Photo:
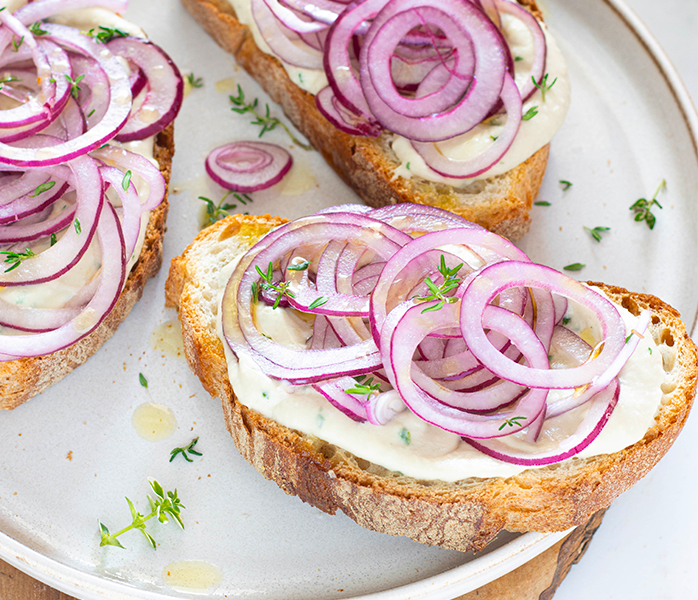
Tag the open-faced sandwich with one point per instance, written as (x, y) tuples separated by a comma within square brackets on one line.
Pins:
[(445, 103), (422, 375), (86, 144)]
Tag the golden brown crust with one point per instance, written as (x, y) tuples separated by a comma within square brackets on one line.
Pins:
[(22, 379), (464, 515), (501, 204)]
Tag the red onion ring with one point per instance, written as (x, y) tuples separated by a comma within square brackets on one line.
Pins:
[(248, 166)]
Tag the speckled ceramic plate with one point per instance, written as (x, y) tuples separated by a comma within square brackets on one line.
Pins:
[(70, 456)]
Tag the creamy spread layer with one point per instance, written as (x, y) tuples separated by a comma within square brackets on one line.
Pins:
[(533, 133), (417, 449)]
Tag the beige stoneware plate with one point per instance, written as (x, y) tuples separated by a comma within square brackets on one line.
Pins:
[(70, 456)]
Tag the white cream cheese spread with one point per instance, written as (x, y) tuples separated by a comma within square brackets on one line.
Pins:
[(410, 445), (58, 292), (533, 134)]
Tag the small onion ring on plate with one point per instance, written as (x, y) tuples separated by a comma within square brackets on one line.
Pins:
[(248, 166)]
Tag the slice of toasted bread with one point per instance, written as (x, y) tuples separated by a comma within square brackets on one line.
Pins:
[(501, 204), (464, 515), (22, 379)]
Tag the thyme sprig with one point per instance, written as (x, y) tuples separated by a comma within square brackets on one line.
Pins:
[(216, 212), (439, 292), (643, 207), (268, 284), (186, 449), (74, 87), (597, 231), (8, 79), (543, 85), (367, 388), (264, 120), (513, 422), (194, 81), (106, 34), (530, 113), (14, 259), (35, 28), (166, 506)]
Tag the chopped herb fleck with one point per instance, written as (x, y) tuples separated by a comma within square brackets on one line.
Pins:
[(318, 302), (530, 113), (574, 267), (513, 422), (78, 227), (405, 436), (365, 389), (35, 28), (16, 44), (186, 449), (195, 82), (44, 187), (106, 34), (597, 231), (53, 239), (542, 203), (566, 185), (566, 320), (143, 381), (126, 181), (299, 267)]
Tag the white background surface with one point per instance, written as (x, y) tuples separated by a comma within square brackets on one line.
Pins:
[(647, 546)]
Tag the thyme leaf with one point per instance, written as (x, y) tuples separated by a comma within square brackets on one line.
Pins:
[(597, 231), (513, 422), (438, 293), (364, 389)]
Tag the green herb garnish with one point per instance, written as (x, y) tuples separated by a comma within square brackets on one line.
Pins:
[(16, 44), (44, 187), (74, 87), (266, 121), (35, 28), (53, 239), (597, 231), (78, 227), (574, 267), (195, 82), (543, 85), (439, 292), (513, 422), (566, 185), (530, 113), (15, 258), (364, 389), (405, 436), (126, 181), (643, 208), (299, 267), (281, 289), (143, 381), (542, 203), (318, 302), (186, 449), (106, 34), (166, 505)]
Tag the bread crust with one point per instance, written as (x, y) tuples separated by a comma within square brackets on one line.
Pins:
[(464, 515), (24, 378), (501, 204)]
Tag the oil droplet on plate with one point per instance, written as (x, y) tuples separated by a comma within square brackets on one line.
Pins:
[(153, 421), (299, 180), (192, 575), (226, 85), (167, 338)]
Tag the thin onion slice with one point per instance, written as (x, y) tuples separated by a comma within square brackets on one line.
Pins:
[(248, 166)]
